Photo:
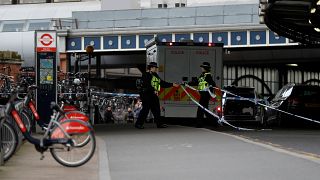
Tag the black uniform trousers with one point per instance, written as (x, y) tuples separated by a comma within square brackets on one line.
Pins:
[(149, 102), (204, 101)]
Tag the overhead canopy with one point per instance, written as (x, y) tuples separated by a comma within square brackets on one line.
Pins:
[(298, 20)]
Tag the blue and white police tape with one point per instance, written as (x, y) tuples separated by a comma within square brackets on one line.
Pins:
[(206, 89), (270, 107), (220, 119), (114, 94), (239, 98), (72, 93)]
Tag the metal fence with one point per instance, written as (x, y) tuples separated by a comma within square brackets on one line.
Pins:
[(268, 80), (265, 80)]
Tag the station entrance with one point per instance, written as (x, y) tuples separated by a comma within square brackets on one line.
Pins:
[(266, 68)]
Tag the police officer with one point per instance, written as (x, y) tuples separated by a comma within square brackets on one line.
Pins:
[(151, 84), (204, 81)]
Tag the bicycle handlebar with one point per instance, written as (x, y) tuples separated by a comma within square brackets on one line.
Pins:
[(56, 107)]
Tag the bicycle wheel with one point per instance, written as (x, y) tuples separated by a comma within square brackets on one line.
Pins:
[(31, 116), (20, 137), (9, 139), (77, 115), (26, 120), (74, 155)]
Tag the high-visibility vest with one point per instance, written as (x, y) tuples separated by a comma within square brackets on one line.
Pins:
[(202, 82), (155, 83)]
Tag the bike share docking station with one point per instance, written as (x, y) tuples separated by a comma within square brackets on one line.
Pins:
[(46, 72)]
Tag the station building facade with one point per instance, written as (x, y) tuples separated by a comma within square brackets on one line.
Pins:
[(253, 55)]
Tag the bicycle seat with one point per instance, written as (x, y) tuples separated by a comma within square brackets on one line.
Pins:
[(55, 106)]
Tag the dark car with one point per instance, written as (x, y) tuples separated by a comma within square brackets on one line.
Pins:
[(244, 108), (302, 100)]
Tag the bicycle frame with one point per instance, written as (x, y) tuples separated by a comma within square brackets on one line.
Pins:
[(28, 103), (70, 126)]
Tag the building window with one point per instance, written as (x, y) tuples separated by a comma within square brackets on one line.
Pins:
[(6, 2), (14, 27), (180, 5), (39, 26), (162, 5), (15, 1)]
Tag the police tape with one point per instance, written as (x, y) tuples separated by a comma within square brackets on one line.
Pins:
[(72, 93), (270, 107), (221, 120), (114, 94), (239, 99)]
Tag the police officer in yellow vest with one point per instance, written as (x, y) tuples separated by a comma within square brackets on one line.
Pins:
[(204, 81), (151, 84)]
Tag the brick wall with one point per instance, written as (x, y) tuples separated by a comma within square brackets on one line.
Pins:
[(10, 63)]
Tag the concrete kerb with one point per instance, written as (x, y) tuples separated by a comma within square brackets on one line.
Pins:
[(104, 169)]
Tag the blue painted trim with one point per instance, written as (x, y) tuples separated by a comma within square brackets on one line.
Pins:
[(95, 40), (166, 37), (128, 42), (73, 43), (143, 39), (242, 38), (275, 39), (258, 37), (110, 42), (201, 37), (220, 37), (181, 37)]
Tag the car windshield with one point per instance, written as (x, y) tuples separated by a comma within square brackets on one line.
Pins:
[(307, 91)]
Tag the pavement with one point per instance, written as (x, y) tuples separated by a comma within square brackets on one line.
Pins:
[(26, 165), (177, 152), (188, 153), (303, 140)]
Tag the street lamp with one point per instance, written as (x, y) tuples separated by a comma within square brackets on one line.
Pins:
[(89, 50)]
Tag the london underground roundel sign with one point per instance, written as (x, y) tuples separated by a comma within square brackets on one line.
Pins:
[(46, 41)]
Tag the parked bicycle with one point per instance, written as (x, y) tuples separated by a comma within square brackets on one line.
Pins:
[(64, 138), (9, 138)]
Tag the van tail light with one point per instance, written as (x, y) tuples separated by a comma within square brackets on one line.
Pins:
[(219, 110)]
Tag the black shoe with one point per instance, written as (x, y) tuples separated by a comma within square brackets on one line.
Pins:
[(162, 126), (139, 126)]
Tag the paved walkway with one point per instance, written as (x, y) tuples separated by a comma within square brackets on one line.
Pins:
[(174, 153), (183, 153), (26, 165)]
